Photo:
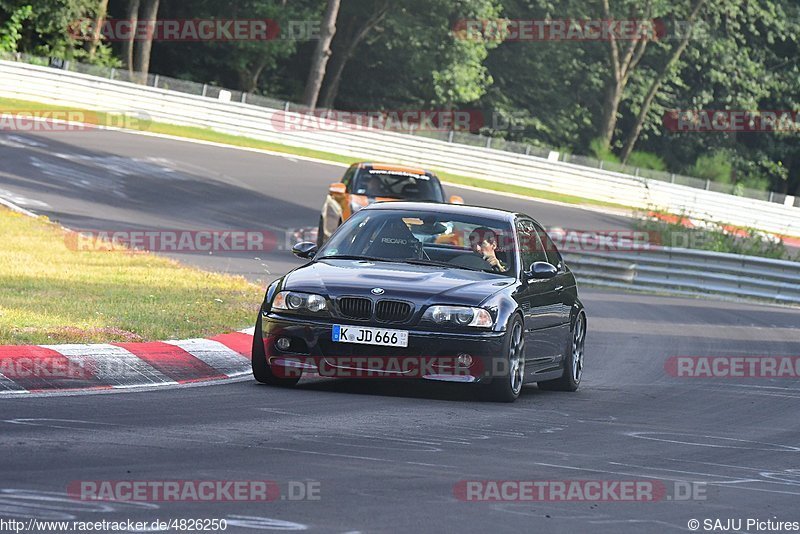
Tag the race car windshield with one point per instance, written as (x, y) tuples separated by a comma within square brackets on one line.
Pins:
[(399, 185), (425, 238)]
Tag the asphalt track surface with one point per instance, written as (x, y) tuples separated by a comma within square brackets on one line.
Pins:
[(387, 455)]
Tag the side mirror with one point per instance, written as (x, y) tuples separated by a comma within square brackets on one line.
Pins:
[(541, 270), (337, 189), (305, 250), (455, 199)]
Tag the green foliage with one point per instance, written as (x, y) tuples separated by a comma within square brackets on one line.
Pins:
[(602, 152), (47, 32), (716, 167), (10, 34), (741, 56), (646, 160)]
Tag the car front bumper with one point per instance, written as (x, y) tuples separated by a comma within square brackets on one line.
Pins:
[(429, 355)]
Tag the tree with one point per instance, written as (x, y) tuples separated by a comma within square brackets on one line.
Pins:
[(10, 33), (49, 31), (360, 20), (99, 20), (252, 66), (414, 59), (322, 53), (657, 81), (141, 60), (128, 45), (622, 67)]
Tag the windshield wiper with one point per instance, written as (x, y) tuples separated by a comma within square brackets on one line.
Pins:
[(432, 263), (353, 257), (451, 266)]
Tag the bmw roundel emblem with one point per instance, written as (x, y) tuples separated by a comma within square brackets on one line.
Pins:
[(378, 291)]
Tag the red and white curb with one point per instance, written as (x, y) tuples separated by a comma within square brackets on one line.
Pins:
[(38, 369)]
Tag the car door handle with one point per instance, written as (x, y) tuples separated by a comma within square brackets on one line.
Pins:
[(559, 289)]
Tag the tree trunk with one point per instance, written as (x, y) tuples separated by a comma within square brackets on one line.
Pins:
[(145, 46), (610, 108), (622, 66), (248, 79), (343, 49), (321, 55), (630, 142), (132, 16), (97, 33)]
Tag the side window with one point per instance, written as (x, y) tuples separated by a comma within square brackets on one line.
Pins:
[(348, 177), (530, 245), (553, 255)]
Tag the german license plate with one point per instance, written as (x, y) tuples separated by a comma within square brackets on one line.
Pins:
[(363, 335)]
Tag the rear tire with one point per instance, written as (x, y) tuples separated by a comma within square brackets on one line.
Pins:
[(507, 386), (262, 371), (573, 366)]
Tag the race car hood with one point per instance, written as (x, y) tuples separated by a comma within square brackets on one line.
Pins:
[(420, 284)]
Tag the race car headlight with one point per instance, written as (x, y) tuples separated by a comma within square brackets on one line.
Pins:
[(299, 302), (459, 316)]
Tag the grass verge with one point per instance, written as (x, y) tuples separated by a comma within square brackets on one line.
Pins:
[(50, 294), (207, 134)]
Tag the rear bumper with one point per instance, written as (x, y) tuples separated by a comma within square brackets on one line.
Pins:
[(429, 355)]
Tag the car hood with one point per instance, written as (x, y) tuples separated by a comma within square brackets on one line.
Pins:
[(420, 284)]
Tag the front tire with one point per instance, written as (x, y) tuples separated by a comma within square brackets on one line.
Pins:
[(573, 367), (507, 386), (262, 371)]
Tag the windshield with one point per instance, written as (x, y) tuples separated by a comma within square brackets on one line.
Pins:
[(398, 184), (422, 237)]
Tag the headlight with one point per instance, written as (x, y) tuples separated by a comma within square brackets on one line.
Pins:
[(293, 301), (459, 316)]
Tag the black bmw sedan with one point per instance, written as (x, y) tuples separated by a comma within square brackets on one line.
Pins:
[(427, 291)]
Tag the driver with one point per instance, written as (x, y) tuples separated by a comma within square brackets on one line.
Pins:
[(483, 242), (374, 187)]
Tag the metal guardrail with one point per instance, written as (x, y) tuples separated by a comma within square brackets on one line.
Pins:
[(59, 87), (462, 138), (680, 271)]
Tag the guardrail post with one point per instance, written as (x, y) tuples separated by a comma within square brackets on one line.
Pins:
[(205, 90), (708, 184), (527, 150), (449, 135), (672, 178), (156, 79), (286, 106), (244, 98), (771, 196), (601, 165), (488, 142), (113, 73)]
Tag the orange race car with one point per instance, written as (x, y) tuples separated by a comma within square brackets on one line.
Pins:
[(365, 183)]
